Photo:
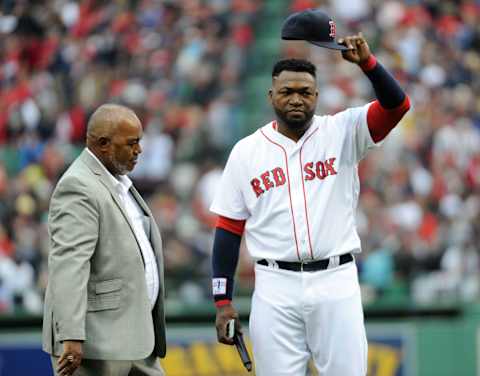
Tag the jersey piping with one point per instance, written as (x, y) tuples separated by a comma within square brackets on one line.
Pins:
[(304, 194), (289, 193)]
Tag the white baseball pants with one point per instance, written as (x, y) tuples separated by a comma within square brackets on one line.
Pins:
[(297, 316)]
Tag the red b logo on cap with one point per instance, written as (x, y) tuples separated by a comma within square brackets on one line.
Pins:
[(333, 29)]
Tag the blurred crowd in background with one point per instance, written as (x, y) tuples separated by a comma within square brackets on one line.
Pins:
[(177, 64), (181, 66)]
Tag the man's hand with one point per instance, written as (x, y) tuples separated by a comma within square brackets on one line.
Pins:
[(71, 358), (358, 52), (224, 314)]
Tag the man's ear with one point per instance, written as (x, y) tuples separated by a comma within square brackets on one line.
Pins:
[(270, 95)]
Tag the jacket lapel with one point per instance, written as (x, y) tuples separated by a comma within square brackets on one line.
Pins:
[(140, 201), (106, 180)]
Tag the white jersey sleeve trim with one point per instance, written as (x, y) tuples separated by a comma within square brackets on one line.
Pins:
[(228, 214)]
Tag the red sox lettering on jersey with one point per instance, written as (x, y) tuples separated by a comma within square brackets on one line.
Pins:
[(287, 190), (276, 177)]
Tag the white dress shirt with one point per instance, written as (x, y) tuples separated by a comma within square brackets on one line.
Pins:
[(138, 219)]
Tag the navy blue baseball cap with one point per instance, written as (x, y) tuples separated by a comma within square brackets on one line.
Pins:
[(314, 26)]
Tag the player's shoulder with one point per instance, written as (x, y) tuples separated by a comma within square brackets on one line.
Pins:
[(346, 116)]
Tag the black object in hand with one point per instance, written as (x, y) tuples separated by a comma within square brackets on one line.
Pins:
[(242, 350)]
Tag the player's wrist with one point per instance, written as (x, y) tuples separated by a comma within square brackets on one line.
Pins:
[(222, 303), (369, 63), (222, 290)]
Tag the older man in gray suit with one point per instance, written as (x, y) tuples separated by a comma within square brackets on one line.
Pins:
[(104, 306)]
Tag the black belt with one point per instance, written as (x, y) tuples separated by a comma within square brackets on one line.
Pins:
[(309, 266)]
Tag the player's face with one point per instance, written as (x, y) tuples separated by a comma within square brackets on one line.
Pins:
[(294, 98), (124, 147)]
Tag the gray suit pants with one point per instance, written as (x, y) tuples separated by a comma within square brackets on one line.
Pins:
[(93, 367)]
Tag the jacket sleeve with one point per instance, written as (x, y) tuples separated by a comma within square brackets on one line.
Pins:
[(73, 226)]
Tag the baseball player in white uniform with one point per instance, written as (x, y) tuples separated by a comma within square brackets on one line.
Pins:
[(291, 188)]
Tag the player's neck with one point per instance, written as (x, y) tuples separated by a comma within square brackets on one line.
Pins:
[(294, 134)]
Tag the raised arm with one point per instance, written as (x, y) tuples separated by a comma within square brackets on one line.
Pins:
[(392, 102)]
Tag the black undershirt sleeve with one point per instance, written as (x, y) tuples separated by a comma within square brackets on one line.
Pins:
[(226, 249), (388, 91)]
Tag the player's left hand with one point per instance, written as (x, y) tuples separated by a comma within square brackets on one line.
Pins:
[(358, 52)]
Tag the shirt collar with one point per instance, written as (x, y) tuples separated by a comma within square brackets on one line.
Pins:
[(123, 182)]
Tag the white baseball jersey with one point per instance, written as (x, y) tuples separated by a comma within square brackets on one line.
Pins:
[(298, 198)]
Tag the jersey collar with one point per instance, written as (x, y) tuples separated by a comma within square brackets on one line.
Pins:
[(271, 131)]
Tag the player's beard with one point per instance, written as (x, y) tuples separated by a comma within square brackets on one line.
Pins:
[(294, 124)]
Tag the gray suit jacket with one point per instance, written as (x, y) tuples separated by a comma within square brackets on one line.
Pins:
[(96, 278)]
